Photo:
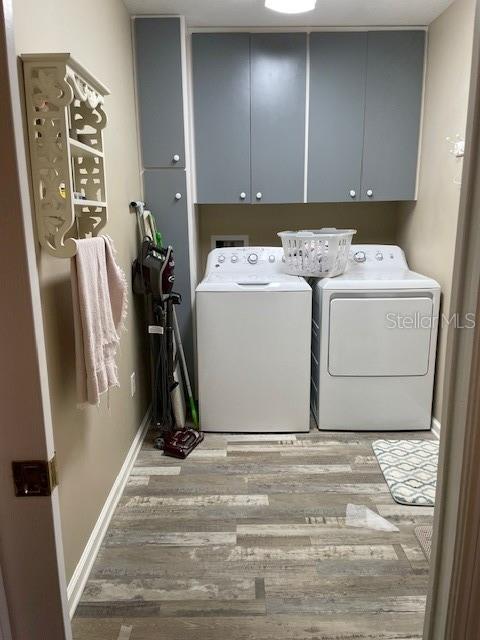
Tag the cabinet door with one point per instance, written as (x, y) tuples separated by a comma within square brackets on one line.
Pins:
[(171, 216), (159, 89), (278, 85), (392, 114), (221, 94), (337, 108)]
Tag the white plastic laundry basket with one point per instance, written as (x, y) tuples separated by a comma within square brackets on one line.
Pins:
[(321, 253)]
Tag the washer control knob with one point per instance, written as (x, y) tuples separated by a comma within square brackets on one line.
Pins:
[(221, 258), (271, 258), (253, 258), (360, 256), (234, 258), (379, 255)]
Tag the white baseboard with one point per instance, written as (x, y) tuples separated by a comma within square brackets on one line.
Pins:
[(85, 564), (436, 427)]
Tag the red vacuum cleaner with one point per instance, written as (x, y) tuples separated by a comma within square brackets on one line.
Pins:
[(153, 276)]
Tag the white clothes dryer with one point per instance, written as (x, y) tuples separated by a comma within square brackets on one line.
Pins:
[(374, 335)]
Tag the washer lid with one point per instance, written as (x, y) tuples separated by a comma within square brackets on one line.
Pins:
[(244, 282)]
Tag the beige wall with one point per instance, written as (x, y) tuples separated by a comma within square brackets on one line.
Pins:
[(428, 227), (91, 444), (375, 222)]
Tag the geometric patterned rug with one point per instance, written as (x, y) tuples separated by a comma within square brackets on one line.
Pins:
[(424, 536), (410, 469)]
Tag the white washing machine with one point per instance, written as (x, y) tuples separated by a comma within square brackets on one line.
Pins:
[(374, 335), (253, 342)]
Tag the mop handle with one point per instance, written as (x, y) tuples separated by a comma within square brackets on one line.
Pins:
[(139, 208), (182, 354)]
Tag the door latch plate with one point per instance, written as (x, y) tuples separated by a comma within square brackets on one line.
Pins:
[(33, 478)]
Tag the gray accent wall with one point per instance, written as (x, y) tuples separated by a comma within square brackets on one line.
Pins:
[(159, 91), (392, 113), (221, 94), (278, 85)]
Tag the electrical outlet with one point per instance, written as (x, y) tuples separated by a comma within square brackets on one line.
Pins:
[(133, 384)]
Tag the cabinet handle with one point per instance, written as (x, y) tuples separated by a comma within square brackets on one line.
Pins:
[(178, 196), (243, 195), (176, 158), (353, 193), (369, 193), (259, 195)]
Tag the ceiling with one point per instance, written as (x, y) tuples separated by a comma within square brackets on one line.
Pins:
[(252, 13)]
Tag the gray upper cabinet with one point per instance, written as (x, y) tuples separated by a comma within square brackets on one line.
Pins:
[(278, 95), (160, 94), (392, 114), (221, 94), (365, 97), (249, 95), (337, 109)]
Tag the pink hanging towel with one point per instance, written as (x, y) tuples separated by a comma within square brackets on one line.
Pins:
[(99, 292)]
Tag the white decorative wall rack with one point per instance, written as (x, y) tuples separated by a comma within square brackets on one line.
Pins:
[(65, 116)]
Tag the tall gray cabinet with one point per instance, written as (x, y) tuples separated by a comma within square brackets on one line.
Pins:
[(160, 94), (158, 52), (249, 95)]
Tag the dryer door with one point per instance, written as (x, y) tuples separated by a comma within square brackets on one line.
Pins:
[(380, 336)]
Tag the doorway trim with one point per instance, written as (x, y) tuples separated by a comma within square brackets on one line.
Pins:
[(5, 631), (31, 547), (452, 612)]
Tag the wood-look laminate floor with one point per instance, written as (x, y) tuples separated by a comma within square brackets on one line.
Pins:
[(248, 539)]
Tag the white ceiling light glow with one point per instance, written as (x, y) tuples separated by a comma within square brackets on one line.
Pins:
[(291, 6)]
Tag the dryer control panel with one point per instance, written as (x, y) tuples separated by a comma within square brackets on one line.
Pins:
[(376, 257)]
